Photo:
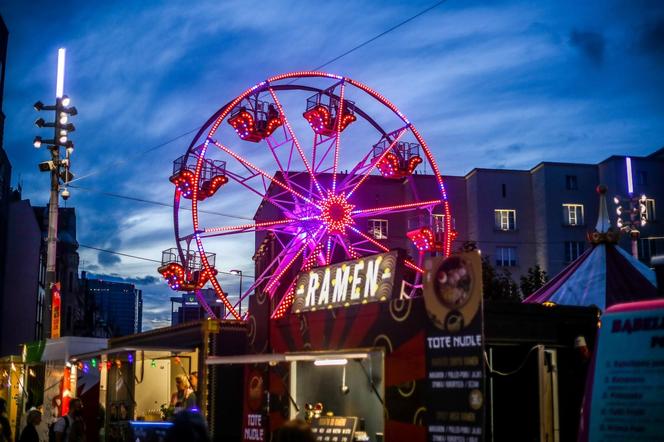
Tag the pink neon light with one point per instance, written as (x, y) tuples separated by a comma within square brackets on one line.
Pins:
[(262, 172), (397, 207), (272, 283), (248, 226), (340, 113), (364, 177), (295, 140)]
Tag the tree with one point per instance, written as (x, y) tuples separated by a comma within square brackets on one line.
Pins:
[(533, 280), (498, 285)]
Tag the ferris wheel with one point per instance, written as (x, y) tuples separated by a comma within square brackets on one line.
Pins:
[(298, 158)]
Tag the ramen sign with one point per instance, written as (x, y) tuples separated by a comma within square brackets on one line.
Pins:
[(368, 279)]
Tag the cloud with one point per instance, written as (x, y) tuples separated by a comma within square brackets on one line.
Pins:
[(108, 259), (591, 44), (651, 38), (115, 277)]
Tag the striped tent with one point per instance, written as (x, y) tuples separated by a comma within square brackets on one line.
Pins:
[(602, 276)]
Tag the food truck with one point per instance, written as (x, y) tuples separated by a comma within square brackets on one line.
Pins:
[(376, 366), (140, 374)]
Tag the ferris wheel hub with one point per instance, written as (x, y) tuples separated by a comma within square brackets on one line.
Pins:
[(336, 213)]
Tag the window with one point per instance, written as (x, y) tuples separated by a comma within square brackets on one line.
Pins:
[(642, 177), (651, 247), (378, 228), (571, 182), (505, 219), (505, 256), (650, 210), (504, 190), (573, 249), (573, 214)]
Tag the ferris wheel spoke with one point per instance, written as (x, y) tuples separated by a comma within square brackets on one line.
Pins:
[(243, 228), (364, 172), (264, 174), (361, 213), (337, 141), (244, 181), (408, 263), (295, 141)]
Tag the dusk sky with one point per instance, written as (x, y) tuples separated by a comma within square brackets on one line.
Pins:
[(497, 84)]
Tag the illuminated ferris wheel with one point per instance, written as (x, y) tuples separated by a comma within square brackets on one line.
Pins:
[(301, 147)]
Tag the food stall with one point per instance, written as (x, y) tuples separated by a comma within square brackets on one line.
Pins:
[(374, 366), (142, 375)]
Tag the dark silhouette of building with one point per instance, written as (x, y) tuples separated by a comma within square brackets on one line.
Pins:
[(22, 320), (112, 308), (189, 309), (66, 267)]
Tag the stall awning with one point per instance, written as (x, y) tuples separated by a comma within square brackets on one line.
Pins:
[(274, 358), (63, 348), (111, 351)]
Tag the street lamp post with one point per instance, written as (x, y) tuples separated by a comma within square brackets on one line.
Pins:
[(60, 173), (632, 215), (239, 273)]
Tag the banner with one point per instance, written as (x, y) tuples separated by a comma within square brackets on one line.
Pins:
[(454, 348), (368, 279), (55, 311), (627, 401), (255, 422)]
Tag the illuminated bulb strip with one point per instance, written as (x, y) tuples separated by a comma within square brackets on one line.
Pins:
[(285, 302), (295, 140), (368, 238), (248, 226), (303, 74), (328, 255), (389, 149), (379, 97), (262, 172), (411, 265), (340, 113), (277, 278), (396, 207)]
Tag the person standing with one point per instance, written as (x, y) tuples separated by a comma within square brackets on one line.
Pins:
[(71, 428), (5, 426), (29, 433)]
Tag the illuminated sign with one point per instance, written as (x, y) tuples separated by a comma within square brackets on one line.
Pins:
[(360, 281), (55, 311)]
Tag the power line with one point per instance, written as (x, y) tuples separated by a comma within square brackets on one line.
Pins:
[(157, 203), (355, 48), (376, 37), (142, 258), (126, 159)]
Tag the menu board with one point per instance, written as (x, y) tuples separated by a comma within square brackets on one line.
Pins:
[(334, 428), (454, 348), (628, 385)]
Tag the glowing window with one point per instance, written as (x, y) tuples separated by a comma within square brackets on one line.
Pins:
[(573, 214), (378, 228), (650, 210), (505, 219)]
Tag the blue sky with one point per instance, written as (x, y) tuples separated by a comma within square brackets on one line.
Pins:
[(488, 84)]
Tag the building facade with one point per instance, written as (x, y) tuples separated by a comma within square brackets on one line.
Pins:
[(112, 308), (518, 218)]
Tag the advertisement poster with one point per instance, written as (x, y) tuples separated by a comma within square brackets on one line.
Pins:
[(255, 423), (628, 386), (55, 311), (369, 279), (454, 348)]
